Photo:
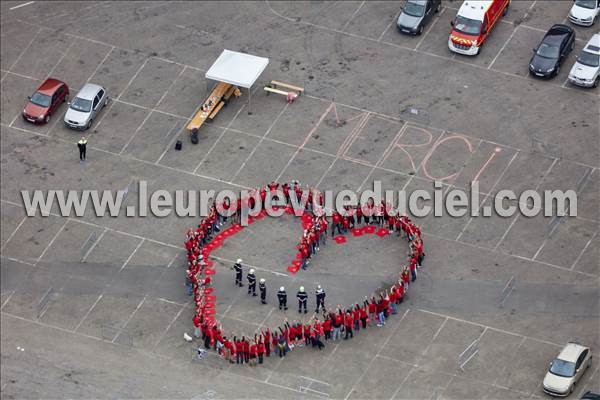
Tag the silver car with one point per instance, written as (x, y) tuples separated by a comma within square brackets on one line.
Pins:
[(566, 369), (84, 107)]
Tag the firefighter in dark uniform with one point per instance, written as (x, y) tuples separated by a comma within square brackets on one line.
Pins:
[(238, 272), (263, 291), (302, 299), (251, 282), (320, 294), (282, 297)]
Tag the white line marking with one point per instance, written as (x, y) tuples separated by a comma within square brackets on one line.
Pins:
[(51, 241), (353, 15), (430, 28), (88, 312), (168, 327), (260, 141), (517, 216), (101, 63), (583, 251), (13, 233), (21, 5), (503, 47), (130, 318), (132, 254), (7, 299)]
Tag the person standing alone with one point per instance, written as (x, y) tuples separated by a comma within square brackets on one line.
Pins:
[(82, 144)]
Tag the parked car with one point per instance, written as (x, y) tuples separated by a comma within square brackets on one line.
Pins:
[(589, 395), (566, 369), (86, 106), (552, 50), (584, 12), (586, 70), (44, 102), (473, 24), (416, 14)]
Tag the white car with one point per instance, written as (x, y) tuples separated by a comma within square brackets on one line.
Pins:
[(586, 70), (584, 12), (85, 106), (566, 369)]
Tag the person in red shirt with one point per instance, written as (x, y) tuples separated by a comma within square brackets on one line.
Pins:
[(253, 353), (267, 341), (286, 192), (380, 312), (239, 350), (356, 317), (337, 223), (348, 322), (372, 307), (307, 334), (327, 328), (364, 316), (413, 268), (400, 292), (405, 276)]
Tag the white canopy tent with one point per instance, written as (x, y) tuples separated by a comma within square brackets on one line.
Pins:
[(237, 69)]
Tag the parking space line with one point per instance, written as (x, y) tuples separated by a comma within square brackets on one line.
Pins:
[(508, 362), (183, 307), (285, 107), (13, 233), (23, 51), (21, 5), (517, 216), (306, 139), (149, 113), (132, 254), (221, 135), (430, 28), (108, 53), (7, 299), (488, 326), (583, 250), (133, 78), (149, 109), (20, 75), (503, 46), (490, 194), (130, 317), (52, 241), (383, 345), (62, 57), (353, 15), (88, 312), (387, 28), (401, 384)]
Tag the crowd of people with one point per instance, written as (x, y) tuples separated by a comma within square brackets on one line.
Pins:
[(325, 324)]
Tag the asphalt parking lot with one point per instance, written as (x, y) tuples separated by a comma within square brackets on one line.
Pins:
[(99, 305)]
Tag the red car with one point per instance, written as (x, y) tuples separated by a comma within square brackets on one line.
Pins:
[(42, 104)]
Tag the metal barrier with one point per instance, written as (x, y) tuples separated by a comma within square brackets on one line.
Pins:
[(508, 289), (468, 354)]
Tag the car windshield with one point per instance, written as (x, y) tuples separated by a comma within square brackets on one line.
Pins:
[(414, 9), (547, 51), (40, 99), (82, 105), (466, 25), (589, 59), (563, 368), (591, 4)]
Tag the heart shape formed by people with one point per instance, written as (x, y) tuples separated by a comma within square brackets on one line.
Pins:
[(210, 236)]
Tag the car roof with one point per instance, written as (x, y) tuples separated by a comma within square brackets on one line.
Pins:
[(420, 2), (474, 9), (49, 86), (571, 352), (593, 46), (559, 29), (89, 91)]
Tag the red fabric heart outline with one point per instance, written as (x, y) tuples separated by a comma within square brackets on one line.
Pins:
[(201, 267)]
